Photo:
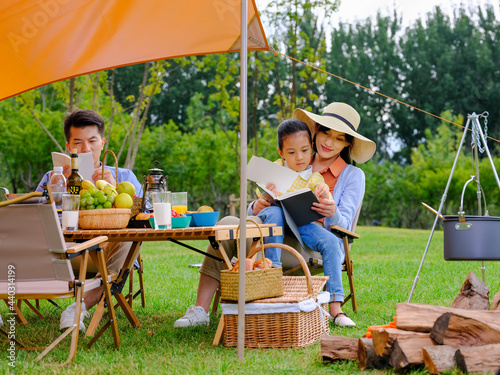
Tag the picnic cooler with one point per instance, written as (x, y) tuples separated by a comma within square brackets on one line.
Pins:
[(264, 283), (295, 320), (106, 218)]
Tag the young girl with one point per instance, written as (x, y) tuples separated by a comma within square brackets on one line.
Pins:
[(295, 149)]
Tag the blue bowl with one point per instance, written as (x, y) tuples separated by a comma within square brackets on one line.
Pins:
[(204, 219), (181, 221)]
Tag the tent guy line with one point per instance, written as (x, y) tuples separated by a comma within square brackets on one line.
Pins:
[(375, 92)]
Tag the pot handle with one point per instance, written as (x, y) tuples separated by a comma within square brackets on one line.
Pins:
[(461, 212)]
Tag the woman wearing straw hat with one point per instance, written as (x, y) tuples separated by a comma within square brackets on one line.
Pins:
[(336, 141)]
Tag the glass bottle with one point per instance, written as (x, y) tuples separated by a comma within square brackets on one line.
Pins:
[(57, 186), (75, 179)]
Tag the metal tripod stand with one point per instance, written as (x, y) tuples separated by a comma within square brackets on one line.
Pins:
[(476, 130)]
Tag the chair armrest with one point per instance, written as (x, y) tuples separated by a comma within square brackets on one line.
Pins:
[(341, 232), (77, 247)]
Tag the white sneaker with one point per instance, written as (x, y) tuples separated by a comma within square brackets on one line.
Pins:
[(342, 320), (195, 316), (68, 317)]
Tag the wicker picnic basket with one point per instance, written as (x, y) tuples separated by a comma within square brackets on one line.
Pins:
[(106, 218), (288, 329), (264, 283)]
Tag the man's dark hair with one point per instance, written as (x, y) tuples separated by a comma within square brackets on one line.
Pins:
[(81, 118)]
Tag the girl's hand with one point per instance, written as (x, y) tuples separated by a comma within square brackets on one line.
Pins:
[(322, 191), (272, 187), (325, 207), (259, 205)]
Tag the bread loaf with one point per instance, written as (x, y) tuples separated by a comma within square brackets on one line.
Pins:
[(248, 265)]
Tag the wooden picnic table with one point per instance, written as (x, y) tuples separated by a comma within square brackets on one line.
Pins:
[(214, 234)]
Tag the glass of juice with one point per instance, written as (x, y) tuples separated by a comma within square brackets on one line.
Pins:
[(179, 202)]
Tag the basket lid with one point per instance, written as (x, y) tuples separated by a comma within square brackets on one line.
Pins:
[(295, 289)]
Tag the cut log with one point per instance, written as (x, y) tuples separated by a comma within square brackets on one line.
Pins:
[(439, 358), (478, 358), (495, 304), (367, 359), (407, 351), (339, 347), (420, 317), (474, 294), (458, 330), (383, 339)]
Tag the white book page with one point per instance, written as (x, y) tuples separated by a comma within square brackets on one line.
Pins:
[(85, 163), (264, 172), (60, 160)]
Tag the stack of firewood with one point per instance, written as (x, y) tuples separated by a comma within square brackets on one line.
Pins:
[(465, 335)]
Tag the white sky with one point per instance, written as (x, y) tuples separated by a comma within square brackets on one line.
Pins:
[(410, 10)]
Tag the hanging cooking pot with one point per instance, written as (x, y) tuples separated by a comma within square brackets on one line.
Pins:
[(468, 237)]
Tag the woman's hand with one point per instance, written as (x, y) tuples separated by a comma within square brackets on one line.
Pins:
[(107, 176), (325, 207), (259, 205)]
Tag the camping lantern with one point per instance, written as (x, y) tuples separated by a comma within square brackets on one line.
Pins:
[(153, 182)]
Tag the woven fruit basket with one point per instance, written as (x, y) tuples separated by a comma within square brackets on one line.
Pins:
[(106, 218), (264, 283)]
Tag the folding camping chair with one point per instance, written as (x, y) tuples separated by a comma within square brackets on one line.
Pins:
[(315, 261), (37, 264)]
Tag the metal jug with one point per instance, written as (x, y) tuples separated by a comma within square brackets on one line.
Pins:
[(153, 182)]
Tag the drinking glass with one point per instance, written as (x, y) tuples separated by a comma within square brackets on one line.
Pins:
[(162, 208), (70, 209), (179, 202)]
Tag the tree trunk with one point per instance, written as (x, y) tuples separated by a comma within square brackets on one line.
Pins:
[(478, 358), (474, 294), (457, 330), (407, 351), (439, 358), (339, 347)]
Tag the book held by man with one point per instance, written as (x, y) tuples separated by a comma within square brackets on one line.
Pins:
[(85, 163)]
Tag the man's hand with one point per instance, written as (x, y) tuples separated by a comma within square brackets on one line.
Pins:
[(325, 207), (108, 176), (66, 171)]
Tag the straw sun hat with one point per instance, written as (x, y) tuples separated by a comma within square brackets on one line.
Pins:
[(342, 118)]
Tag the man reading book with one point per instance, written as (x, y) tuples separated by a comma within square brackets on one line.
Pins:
[(84, 130)]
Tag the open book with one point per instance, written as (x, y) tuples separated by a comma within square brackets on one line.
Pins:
[(296, 204), (85, 163)]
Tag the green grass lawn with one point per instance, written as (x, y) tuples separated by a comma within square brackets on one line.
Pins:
[(385, 264)]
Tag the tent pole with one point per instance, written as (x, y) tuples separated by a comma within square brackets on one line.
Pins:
[(243, 178)]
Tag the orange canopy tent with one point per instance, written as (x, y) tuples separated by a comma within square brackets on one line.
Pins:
[(44, 41)]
